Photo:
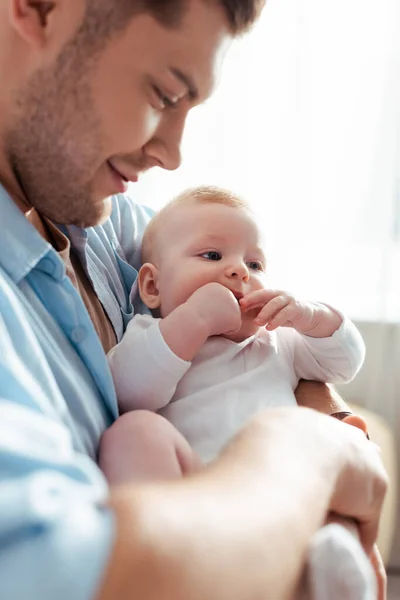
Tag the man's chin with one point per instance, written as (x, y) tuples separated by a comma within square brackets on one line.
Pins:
[(107, 209), (98, 215)]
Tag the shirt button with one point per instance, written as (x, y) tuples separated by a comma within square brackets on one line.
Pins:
[(78, 334)]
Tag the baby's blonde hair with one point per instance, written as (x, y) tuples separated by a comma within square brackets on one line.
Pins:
[(205, 194)]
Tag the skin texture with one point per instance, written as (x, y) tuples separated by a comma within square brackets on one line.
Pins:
[(71, 109), (209, 263), (68, 109), (193, 538), (201, 233)]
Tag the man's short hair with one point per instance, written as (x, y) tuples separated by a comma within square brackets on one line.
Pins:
[(240, 14), (205, 194), (105, 17)]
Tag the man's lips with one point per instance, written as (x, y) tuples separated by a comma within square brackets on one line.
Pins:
[(126, 174)]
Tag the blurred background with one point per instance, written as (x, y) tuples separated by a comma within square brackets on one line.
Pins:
[(305, 123)]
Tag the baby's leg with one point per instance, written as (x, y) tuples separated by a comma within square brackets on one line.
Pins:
[(144, 446)]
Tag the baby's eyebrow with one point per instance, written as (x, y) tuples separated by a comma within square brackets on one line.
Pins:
[(210, 238), (260, 253)]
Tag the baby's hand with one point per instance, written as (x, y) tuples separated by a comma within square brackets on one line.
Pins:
[(281, 309), (218, 307)]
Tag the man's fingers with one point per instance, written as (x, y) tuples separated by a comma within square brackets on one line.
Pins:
[(368, 534), (380, 573)]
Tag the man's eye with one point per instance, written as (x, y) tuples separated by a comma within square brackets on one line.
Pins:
[(165, 101), (211, 255), (255, 265)]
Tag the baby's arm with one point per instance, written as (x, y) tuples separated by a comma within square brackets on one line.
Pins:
[(333, 359), (210, 310), (144, 369), (154, 354), (280, 309), (316, 339)]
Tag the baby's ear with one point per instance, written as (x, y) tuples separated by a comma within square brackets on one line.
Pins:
[(148, 286)]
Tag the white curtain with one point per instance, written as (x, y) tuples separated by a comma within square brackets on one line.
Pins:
[(305, 124)]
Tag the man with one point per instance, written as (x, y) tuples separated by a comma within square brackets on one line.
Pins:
[(93, 93)]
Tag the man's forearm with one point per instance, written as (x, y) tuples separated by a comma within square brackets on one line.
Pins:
[(237, 530), (319, 396)]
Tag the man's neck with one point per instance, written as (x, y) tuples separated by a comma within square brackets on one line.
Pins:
[(12, 187), (9, 181)]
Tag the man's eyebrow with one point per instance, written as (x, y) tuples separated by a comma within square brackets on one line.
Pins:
[(187, 81)]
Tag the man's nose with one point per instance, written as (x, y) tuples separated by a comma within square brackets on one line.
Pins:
[(165, 147)]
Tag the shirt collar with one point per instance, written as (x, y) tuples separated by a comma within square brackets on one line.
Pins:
[(21, 245)]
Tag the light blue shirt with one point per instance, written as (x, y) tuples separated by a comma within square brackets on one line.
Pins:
[(56, 399)]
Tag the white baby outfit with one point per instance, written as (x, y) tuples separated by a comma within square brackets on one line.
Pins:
[(209, 399)]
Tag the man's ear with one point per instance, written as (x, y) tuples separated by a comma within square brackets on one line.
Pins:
[(148, 286), (30, 18)]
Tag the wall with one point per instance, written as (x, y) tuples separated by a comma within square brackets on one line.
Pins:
[(377, 387)]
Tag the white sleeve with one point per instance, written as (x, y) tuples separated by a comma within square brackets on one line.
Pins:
[(145, 370), (334, 359)]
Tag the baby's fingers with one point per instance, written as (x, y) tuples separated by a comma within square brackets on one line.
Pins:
[(271, 310), (258, 298), (282, 318)]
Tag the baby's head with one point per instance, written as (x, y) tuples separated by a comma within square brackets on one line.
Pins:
[(205, 235)]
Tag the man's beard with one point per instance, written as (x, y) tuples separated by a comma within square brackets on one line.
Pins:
[(54, 143)]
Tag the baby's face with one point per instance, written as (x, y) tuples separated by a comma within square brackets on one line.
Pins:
[(204, 243)]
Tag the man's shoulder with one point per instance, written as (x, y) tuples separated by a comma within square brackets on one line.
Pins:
[(128, 214), (124, 228)]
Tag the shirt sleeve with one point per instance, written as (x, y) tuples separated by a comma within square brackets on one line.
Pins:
[(145, 370), (55, 530), (334, 359)]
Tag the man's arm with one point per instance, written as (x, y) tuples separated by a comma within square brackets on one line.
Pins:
[(55, 534), (240, 528), (320, 396)]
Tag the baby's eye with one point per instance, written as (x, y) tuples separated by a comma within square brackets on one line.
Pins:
[(255, 265), (211, 255)]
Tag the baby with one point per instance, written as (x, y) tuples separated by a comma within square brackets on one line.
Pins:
[(218, 348)]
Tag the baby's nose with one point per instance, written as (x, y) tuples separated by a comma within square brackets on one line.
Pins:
[(238, 272)]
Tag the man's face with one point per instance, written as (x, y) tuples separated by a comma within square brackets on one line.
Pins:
[(86, 124)]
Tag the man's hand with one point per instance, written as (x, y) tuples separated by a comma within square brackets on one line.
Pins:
[(263, 499), (217, 307), (380, 572), (280, 309)]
